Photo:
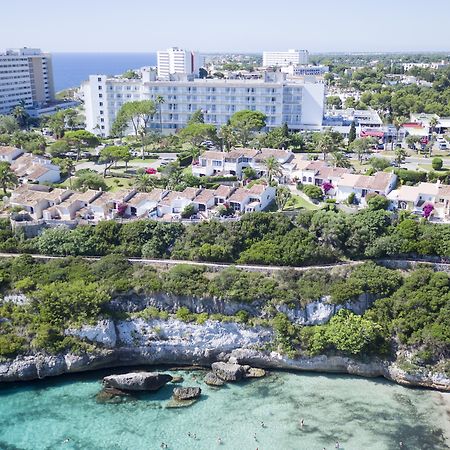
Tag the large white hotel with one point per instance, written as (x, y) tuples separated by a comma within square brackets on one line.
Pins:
[(25, 77), (299, 102)]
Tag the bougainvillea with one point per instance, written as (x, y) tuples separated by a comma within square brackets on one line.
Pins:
[(327, 186), (427, 210)]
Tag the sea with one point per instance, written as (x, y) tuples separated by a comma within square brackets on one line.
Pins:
[(71, 69), (264, 414)]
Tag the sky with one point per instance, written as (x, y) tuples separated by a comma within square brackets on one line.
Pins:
[(226, 25)]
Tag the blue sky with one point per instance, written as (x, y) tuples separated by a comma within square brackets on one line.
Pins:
[(226, 25)]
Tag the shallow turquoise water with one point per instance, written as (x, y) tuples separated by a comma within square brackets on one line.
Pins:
[(62, 413)]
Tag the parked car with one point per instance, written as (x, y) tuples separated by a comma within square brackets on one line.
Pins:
[(151, 171), (442, 146)]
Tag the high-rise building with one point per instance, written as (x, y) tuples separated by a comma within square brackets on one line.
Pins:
[(297, 102), (176, 60), (281, 59), (26, 76)]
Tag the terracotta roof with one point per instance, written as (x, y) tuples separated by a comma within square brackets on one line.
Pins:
[(239, 195), (213, 155), (257, 189), (275, 152), (204, 196), (331, 172), (444, 191), (8, 150), (238, 152), (404, 193), (170, 197), (224, 191), (190, 193), (37, 172)]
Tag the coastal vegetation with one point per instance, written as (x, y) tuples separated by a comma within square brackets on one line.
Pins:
[(408, 309), (312, 237)]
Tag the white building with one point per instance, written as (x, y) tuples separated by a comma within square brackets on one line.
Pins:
[(305, 70), (25, 77), (176, 60), (280, 59), (297, 102)]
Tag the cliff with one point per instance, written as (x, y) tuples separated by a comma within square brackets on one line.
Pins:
[(151, 342)]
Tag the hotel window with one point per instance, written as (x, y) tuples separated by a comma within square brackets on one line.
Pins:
[(100, 95), (99, 79), (100, 103), (101, 112)]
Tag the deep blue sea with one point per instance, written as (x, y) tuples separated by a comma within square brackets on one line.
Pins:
[(71, 69)]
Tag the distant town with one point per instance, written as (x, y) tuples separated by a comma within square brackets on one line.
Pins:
[(201, 137)]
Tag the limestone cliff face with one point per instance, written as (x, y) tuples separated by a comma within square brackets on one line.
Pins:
[(141, 342)]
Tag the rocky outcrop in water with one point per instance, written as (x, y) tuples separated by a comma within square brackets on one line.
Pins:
[(228, 371), (186, 393), (212, 379), (137, 381)]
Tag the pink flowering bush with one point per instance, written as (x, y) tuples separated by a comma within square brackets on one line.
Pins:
[(427, 210), (327, 186), (121, 208)]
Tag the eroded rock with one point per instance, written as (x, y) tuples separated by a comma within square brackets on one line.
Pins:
[(186, 393), (228, 371), (137, 381), (211, 379)]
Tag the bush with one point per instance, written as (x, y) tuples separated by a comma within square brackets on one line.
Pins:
[(313, 192), (437, 163)]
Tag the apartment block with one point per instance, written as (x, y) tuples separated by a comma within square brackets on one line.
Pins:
[(26, 77), (176, 60), (297, 102), (286, 58)]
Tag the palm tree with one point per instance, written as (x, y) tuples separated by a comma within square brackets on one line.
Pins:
[(273, 168), (144, 183), (326, 144), (159, 101), (7, 177), (339, 159), (433, 123), (398, 122)]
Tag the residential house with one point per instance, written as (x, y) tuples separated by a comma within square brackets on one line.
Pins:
[(413, 198), (255, 198), (175, 201), (76, 205), (144, 204), (109, 204), (35, 169), (362, 185), (223, 193), (236, 160), (9, 154), (317, 172), (36, 200)]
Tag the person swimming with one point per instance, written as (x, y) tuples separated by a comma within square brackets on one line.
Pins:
[(302, 422), (337, 445), (219, 440), (263, 425)]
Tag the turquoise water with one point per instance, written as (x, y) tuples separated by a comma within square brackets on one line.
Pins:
[(63, 413)]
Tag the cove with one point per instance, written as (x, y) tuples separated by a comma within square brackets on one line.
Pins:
[(62, 413)]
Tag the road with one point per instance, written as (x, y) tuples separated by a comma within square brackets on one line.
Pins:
[(249, 267), (173, 262), (136, 164)]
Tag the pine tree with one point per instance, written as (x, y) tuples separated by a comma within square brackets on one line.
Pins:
[(352, 133)]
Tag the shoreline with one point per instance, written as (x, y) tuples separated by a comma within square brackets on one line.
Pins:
[(40, 366)]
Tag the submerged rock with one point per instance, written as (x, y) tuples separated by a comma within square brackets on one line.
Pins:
[(138, 381), (212, 379), (173, 403), (177, 379), (186, 393), (254, 372), (111, 395)]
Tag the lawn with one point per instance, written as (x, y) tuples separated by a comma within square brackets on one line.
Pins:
[(117, 184), (297, 202)]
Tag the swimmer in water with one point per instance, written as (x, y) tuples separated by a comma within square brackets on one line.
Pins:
[(219, 440), (302, 422), (263, 425)]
